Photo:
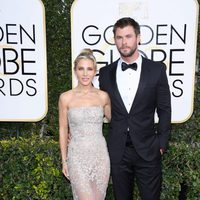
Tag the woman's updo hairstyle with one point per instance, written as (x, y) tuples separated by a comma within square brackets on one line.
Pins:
[(85, 54)]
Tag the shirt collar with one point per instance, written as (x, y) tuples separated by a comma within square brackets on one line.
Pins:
[(138, 61)]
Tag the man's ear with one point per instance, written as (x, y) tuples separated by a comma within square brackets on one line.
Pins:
[(139, 39)]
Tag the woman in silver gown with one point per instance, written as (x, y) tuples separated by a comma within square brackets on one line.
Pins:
[(85, 160)]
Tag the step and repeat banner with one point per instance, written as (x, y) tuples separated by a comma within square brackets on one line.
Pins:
[(168, 34), (23, 67)]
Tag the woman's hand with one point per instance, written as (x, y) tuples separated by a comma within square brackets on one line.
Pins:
[(65, 170)]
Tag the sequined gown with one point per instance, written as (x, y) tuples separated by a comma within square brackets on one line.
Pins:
[(88, 160)]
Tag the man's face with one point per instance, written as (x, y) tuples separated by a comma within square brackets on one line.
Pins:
[(126, 41)]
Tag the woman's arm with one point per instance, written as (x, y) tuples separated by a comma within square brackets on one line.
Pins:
[(107, 107), (63, 131)]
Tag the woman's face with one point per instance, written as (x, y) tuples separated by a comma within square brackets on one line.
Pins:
[(85, 71)]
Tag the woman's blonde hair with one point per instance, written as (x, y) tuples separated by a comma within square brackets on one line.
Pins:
[(85, 54)]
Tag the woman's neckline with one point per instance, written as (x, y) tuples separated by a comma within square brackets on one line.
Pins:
[(85, 107)]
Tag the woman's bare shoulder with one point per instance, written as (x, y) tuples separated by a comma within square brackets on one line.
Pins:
[(102, 93), (103, 96), (66, 96)]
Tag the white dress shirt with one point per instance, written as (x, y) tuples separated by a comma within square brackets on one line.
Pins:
[(128, 81)]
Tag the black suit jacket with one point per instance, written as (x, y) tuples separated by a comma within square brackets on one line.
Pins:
[(152, 95)]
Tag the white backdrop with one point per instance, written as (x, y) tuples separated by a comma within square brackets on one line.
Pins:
[(168, 34), (23, 68)]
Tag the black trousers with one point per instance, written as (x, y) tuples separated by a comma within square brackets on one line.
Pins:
[(148, 176)]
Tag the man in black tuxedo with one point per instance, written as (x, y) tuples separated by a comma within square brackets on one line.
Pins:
[(137, 87)]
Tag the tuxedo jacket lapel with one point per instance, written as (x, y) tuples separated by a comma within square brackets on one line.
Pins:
[(141, 85), (115, 91)]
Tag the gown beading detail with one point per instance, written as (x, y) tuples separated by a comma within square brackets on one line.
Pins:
[(88, 160)]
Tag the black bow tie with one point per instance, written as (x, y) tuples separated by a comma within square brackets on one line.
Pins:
[(131, 66)]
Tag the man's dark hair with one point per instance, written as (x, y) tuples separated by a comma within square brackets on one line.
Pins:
[(127, 21)]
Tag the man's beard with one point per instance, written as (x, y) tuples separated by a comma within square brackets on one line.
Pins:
[(128, 54)]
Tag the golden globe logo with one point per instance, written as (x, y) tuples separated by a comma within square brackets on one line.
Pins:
[(23, 73), (168, 38)]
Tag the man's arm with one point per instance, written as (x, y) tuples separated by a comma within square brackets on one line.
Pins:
[(163, 109)]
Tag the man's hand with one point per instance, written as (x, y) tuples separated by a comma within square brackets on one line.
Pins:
[(161, 151)]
